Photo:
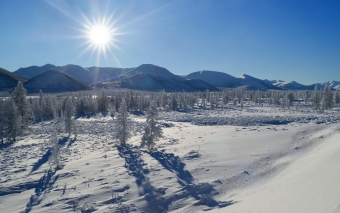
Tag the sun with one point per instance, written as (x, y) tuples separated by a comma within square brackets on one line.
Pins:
[(100, 35), (101, 38)]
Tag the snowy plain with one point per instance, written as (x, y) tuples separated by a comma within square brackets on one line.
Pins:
[(256, 159)]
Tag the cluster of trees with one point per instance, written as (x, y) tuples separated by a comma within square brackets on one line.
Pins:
[(18, 112), (152, 129), (15, 115)]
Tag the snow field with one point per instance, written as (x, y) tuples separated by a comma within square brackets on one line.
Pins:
[(255, 166)]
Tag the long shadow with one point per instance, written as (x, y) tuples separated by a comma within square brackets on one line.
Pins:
[(46, 156), (18, 188), (44, 185), (173, 163), (41, 161), (63, 141), (203, 192), (135, 164), (71, 142), (85, 115), (6, 145)]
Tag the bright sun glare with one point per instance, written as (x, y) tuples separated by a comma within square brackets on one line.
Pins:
[(99, 35)]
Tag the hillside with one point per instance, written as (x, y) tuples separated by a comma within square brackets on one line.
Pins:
[(217, 79), (77, 72), (247, 81), (99, 74), (292, 85), (54, 81), (8, 80), (153, 82), (30, 72), (220, 79), (153, 69)]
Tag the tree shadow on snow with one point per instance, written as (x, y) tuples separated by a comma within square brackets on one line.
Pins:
[(173, 164), (203, 192), (90, 115), (135, 165), (63, 141), (71, 142), (41, 161), (6, 144), (44, 185), (46, 156)]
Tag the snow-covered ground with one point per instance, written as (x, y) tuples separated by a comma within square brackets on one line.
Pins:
[(259, 159)]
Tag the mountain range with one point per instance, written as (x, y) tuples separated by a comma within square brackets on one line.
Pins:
[(50, 78)]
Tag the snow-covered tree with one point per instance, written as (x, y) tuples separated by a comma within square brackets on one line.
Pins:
[(54, 157), (2, 120), (12, 120), (68, 116), (122, 127), (103, 102), (23, 108), (327, 97), (289, 98), (316, 98), (152, 130), (336, 98)]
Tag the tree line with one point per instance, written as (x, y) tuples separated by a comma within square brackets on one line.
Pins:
[(18, 112)]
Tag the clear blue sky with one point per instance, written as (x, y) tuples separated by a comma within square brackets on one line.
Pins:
[(274, 39)]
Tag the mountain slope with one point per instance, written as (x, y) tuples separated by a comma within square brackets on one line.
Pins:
[(153, 82), (54, 81), (293, 85), (153, 69), (99, 74), (247, 81), (78, 72), (217, 79), (220, 79), (8, 80), (332, 84), (32, 71), (200, 85)]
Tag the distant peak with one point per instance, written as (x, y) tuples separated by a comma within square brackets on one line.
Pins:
[(148, 65), (48, 64)]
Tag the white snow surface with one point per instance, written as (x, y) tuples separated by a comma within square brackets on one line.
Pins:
[(259, 159)]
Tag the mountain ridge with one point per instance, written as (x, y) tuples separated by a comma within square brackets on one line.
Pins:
[(103, 75)]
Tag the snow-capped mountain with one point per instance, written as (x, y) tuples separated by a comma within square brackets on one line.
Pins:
[(333, 84), (8, 80), (293, 85), (248, 82), (54, 81)]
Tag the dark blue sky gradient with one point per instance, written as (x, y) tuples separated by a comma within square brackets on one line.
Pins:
[(273, 39)]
